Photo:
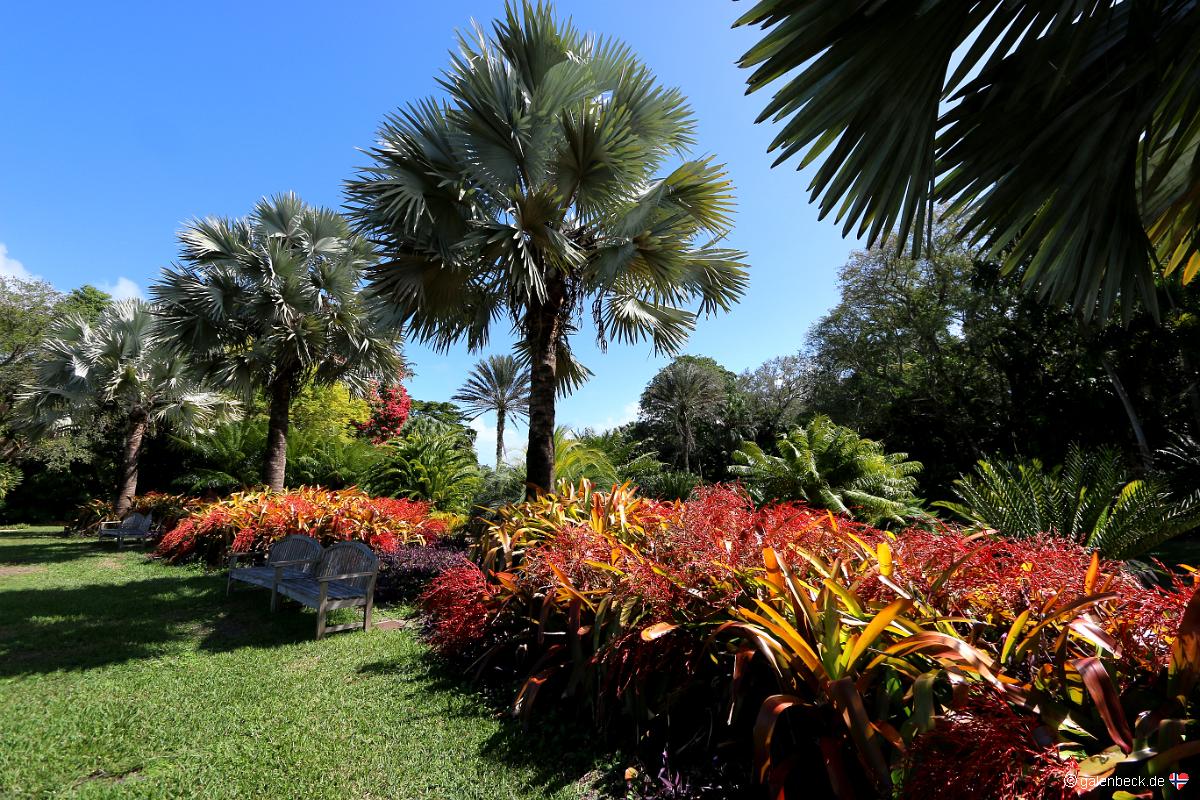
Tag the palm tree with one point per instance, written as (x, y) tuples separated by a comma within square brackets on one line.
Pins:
[(830, 466), (272, 303), (1068, 130), (533, 192), (117, 365), (682, 395), (501, 385)]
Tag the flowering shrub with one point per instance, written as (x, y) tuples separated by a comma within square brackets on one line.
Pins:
[(390, 407), (880, 645), (251, 521)]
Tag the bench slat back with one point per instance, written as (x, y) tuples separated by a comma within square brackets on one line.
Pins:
[(348, 557), (293, 548), (136, 522)]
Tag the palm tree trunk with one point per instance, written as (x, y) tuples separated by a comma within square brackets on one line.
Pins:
[(1134, 422), (275, 464), (499, 439), (542, 325), (129, 462)]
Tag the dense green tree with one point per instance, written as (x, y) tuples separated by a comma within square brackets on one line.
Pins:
[(554, 177), (119, 365), (776, 394), (431, 461), (695, 415), (86, 301), (271, 303), (1067, 131), (947, 359), (498, 385), (27, 310)]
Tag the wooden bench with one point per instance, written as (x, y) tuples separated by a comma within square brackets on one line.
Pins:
[(294, 556), (344, 578), (134, 526)]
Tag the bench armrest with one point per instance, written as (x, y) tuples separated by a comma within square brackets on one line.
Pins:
[(346, 576), (109, 524)]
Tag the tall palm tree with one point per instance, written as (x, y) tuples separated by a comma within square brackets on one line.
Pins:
[(270, 303), (117, 365), (682, 395), (498, 384), (1069, 130), (534, 192)]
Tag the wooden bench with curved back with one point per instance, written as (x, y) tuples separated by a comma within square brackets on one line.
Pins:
[(343, 578), (294, 556)]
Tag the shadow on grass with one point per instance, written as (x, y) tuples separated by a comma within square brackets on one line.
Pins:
[(21, 548), (556, 750), (84, 627)]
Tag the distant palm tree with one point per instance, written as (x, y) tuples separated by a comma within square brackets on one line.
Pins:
[(497, 384), (682, 395), (553, 177), (271, 303), (117, 365)]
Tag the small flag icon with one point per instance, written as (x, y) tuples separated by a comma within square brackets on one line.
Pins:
[(1178, 779)]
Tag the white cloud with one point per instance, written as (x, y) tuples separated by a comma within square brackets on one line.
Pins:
[(628, 414), (485, 440), (123, 289), (11, 268)]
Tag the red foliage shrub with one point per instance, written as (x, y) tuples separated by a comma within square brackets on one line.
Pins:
[(251, 521), (457, 604), (985, 749), (635, 605)]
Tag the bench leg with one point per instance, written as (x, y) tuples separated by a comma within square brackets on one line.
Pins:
[(274, 599), (321, 622), (367, 614)]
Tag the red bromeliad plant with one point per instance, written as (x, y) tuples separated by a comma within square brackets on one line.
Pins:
[(390, 407), (880, 645), (251, 521)]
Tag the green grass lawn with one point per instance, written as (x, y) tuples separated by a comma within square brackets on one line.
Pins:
[(123, 677)]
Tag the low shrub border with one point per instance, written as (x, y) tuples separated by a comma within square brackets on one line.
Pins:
[(251, 521), (805, 644)]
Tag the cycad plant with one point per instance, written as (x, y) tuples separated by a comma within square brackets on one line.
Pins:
[(554, 178), (271, 303), (1089, 499), (576, 459), (497, 385), (118, 365), (429, 461), (830, 466), (222, 459)]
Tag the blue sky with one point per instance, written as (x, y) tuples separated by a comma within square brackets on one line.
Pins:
[(122, 120)]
